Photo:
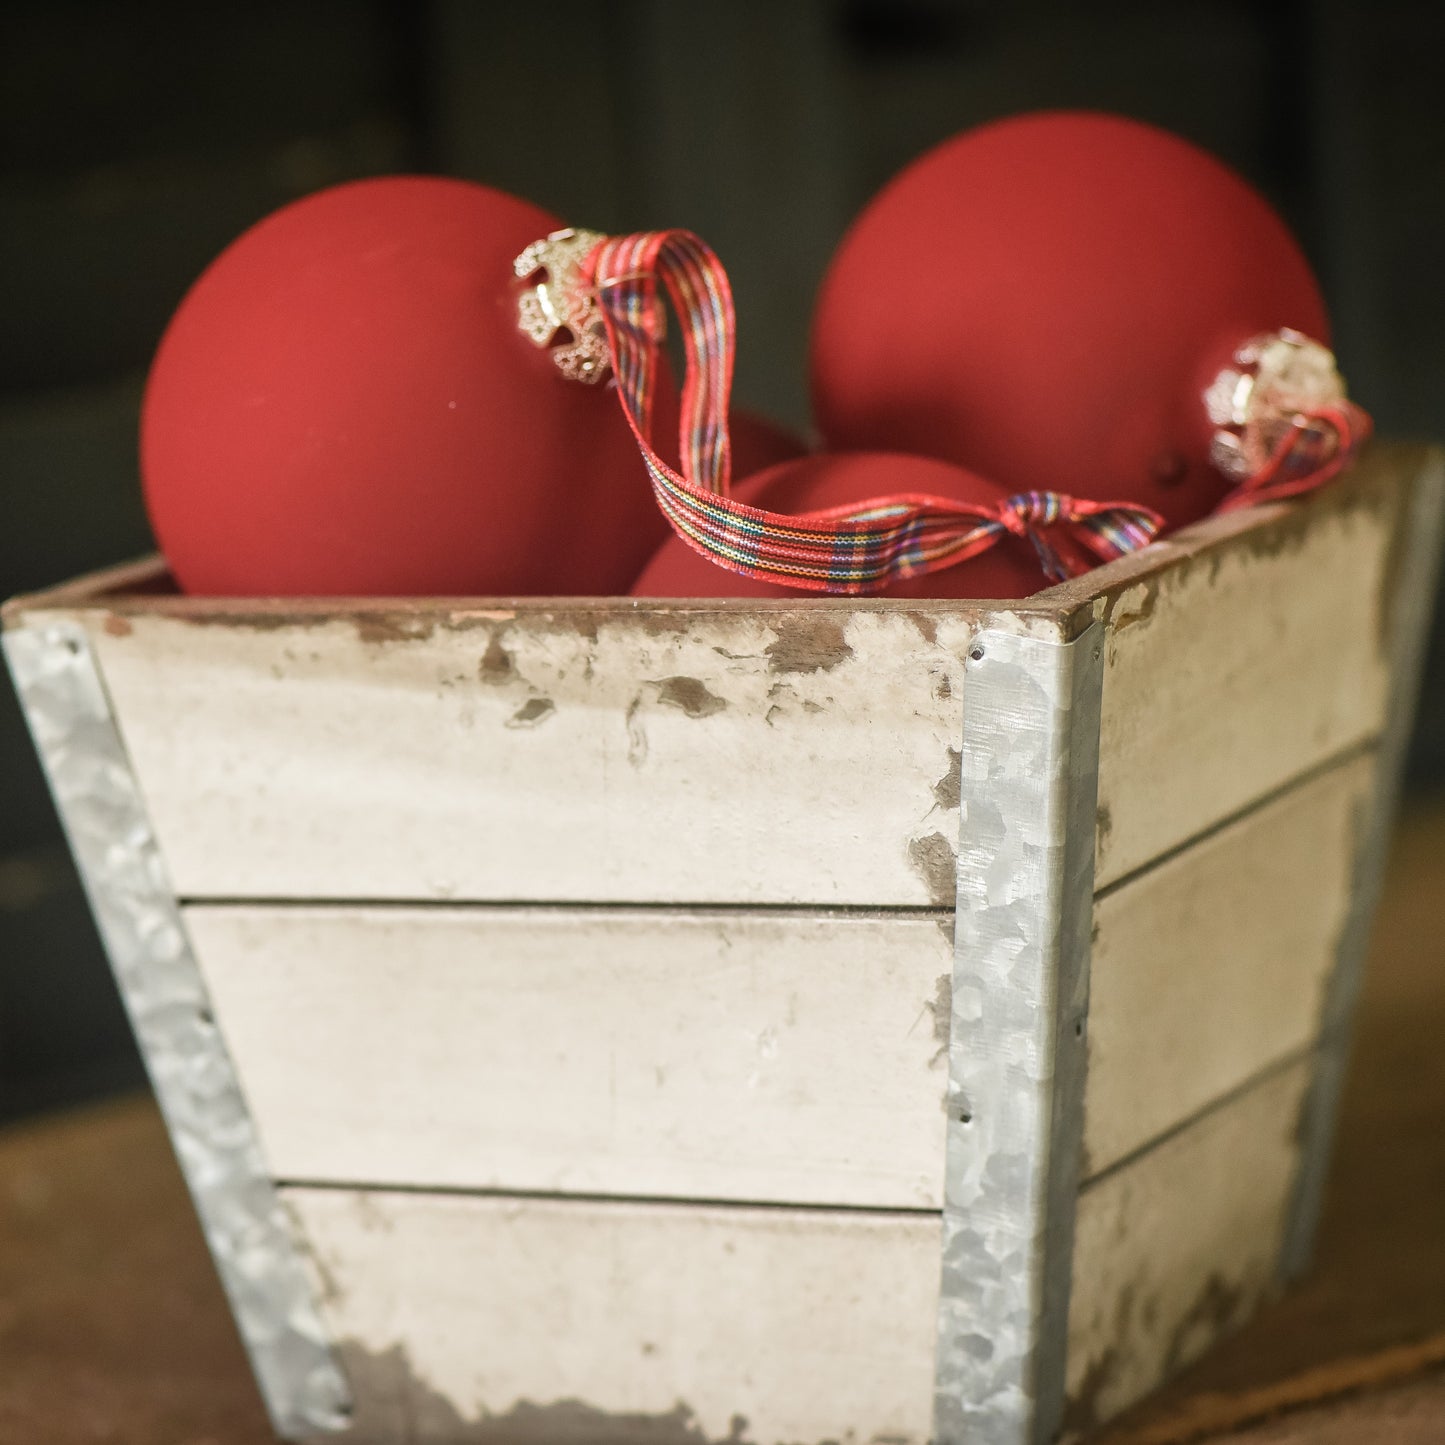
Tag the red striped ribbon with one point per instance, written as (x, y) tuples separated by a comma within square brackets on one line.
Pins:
[(1319, 445), (850, 549), (863, 546)]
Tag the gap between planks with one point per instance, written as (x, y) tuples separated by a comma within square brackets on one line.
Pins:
[(918, 912), (772, 1206), (667, 1201), (1260, 1076), (1338, 760)]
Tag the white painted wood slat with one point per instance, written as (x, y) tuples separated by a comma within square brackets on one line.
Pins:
[(706, 753), (727, 758), (1214, 964), (723, 1056), (461, 1314), (1179, 1246), (738, 1055), (520, 1317), (1244, 665)]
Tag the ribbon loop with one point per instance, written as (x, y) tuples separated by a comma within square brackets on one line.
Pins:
[(1318, 445), (607, 288)]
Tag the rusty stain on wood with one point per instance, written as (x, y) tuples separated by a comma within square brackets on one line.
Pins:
[(1082, 1408), (941, 1007), (927, 626), (809, 644), (393, 1402), (947, 790), (385, 627), (532, 712), (1132, 606), (118, 626), (689, 695), (497, 666), (1103, 826), (1219, 1305), (936, 863), (636, 737)]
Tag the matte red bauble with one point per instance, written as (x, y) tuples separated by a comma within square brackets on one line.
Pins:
[(343, 404), (1010, 568), (759, 442), (1046, 299)]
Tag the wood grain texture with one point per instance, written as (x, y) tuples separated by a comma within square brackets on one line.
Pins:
[(738, 1055), (97, 1233), (1179, 1246), (482, 1318), (1213, 965), (1242, 666), (793, 1057), (799, 758), (597, 749)]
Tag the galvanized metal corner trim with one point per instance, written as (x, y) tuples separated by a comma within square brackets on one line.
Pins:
[(1023, 929), (250, 1235), (1419, 575)]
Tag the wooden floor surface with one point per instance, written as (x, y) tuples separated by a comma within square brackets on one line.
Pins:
[(113, 1329)]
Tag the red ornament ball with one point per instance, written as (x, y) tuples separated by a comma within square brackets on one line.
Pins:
[(343, 404), (1045, 299), (759, 442), (1010, 568)]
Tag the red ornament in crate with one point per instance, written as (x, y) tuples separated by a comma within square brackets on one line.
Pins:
[(343, 404), (1047, 299), (1009, 568)]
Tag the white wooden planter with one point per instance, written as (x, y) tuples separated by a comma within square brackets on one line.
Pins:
[(777, 1022)]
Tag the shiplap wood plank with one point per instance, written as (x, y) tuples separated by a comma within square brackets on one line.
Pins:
[(1214, 964), (525, 755), (1178, 1246), (725, 753), (747, 1056), (459, 1313), (712, 1056), (1242, 666), (480, 1318)]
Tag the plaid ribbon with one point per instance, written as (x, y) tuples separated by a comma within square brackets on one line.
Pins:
[(1319, 445), (850, 549)]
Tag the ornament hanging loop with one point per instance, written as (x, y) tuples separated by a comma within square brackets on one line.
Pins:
[(1284, 424)]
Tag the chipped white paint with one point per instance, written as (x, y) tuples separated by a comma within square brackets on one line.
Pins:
[(1213, 965), (806, 760), (1179, 1246), (746, 1056), (810, 1325), (729, 1055), (550, 753), (1238, 669)]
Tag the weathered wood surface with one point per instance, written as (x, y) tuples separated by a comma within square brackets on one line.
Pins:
[(465, 1318), (812, 1324), (97, 1233), (796, 1057), (648, 757), (1179, 1246), (1213, 965), (740, 1055), (1248, 662), (758, 753)]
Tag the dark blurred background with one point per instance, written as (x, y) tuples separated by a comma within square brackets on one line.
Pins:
[(137, 140)]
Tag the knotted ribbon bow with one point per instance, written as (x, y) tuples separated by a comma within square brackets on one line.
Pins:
[(603, 291)]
